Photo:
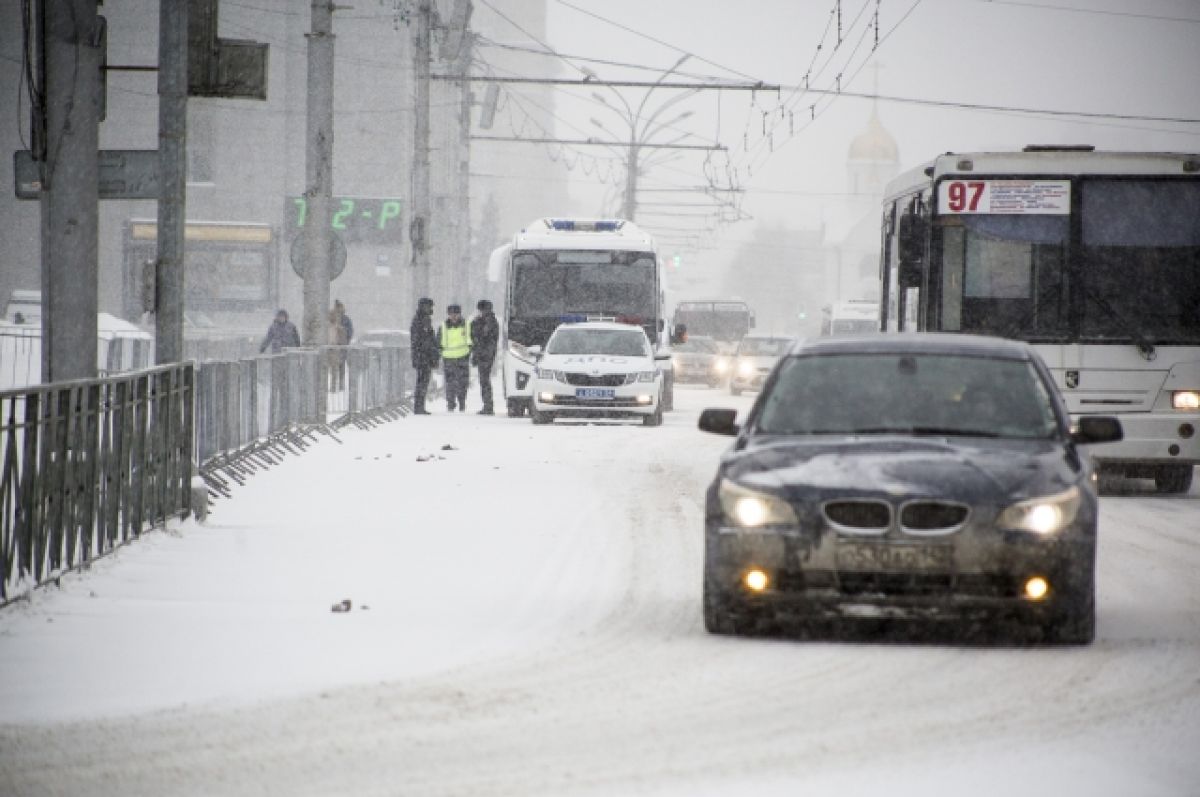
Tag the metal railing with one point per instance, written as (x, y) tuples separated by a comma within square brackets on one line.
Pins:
[(85, 465)]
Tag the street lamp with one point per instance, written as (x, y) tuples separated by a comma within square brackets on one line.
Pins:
[(642, 130)]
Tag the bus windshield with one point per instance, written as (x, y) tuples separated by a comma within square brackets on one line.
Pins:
[(544, 285), (1138, 268), (1005, 275), (1141, 253), (727, 321)]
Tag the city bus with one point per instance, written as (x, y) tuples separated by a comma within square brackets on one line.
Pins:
[(561, 270), (1092, 257), (724, 320)]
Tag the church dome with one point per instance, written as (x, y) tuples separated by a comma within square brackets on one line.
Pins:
[(874, 144)]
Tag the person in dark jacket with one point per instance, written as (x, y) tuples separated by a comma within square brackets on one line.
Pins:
[(485, 337), (344, 320), (425, 352), (281, 334), (454, 340)]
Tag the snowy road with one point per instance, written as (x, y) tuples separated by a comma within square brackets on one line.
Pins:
[(532, 626)]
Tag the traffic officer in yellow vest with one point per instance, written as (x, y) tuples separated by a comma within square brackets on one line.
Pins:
[(454, 338)]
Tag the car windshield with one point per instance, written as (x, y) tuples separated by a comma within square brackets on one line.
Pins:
[(908, 394), (773, 347), (617, 342), (698, 345)]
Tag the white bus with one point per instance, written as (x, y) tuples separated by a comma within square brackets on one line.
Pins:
[(850, 317), (562, 270), (1093, 257)]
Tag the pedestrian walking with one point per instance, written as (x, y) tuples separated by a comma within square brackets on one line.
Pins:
[(425, 352), (454, 340), (281, 334), (485, 338)]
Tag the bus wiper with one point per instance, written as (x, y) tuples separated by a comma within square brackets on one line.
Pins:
[(1143, 343), (953, 432)]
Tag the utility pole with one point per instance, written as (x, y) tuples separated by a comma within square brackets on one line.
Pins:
[(319, 175), (419, 228), (631, 177), (172, 165), (70, 188)]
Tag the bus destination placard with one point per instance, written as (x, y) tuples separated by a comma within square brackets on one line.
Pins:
[(1006, 197)]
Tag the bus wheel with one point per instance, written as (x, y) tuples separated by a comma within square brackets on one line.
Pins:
[(515, 408), (1173, 479)]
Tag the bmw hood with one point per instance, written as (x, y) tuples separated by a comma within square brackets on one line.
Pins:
[(987, 471)]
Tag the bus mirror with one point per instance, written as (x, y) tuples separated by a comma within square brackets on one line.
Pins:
[(911, 253), (909, 274), (912, 238), (752, 320)]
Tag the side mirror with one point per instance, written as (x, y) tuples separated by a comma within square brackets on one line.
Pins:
[(1094, 429), (719, 422), (679, 335), (911, 243), (662, 355)]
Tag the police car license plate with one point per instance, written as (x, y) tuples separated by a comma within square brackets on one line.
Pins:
[(594, 393)]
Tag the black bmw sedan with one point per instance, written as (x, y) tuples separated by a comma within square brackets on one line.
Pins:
[(919, 477)]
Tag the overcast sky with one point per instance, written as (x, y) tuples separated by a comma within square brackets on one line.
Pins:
[(1139, 59)]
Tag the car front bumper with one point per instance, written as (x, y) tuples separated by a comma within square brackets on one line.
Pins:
[(640, 398), (982, 576)]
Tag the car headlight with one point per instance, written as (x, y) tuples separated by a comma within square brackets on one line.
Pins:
[(752, 509), (745, 368), (1186, 399), (1044, 515), (646, 376), (547, 373), (721, 365), (677, 362)]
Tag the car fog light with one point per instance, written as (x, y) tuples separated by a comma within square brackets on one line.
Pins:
[(756, 580), (644, 399), (1036, 588), (547, 397)]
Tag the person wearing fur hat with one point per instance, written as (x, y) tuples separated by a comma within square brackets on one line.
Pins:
[(425, 352), (485, 338)]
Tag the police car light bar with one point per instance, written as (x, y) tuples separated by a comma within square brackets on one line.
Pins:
[(570, 225)]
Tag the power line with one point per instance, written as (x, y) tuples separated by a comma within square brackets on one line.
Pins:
[(651, 38), (585, 142), (587, 81), (485, 42), (1010, 108), (1042, 6)]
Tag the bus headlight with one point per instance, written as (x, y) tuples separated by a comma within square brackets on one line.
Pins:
[(752, 509), (1044, 515), (1186, 399)]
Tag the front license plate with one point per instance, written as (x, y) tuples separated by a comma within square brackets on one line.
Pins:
[(594, 393), (896, 558)]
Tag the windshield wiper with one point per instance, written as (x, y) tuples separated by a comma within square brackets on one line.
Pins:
[(951, 432), (1144, 345)]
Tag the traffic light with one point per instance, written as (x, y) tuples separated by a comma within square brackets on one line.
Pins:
[(676, 260)]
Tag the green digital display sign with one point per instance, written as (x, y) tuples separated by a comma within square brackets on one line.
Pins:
[(363, 220)]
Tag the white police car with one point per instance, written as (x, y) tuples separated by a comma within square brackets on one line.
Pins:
[(597, 369)]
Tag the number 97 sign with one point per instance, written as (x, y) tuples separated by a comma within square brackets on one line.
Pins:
[(1005, 197)]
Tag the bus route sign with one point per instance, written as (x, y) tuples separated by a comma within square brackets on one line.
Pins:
[(1005, 197)]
